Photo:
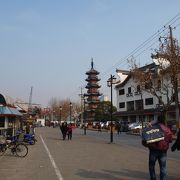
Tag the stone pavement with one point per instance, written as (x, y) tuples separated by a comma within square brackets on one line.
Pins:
[(82, 158)]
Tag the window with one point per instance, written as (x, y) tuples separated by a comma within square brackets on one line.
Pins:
[(10, 122), (149, 101), (129, 90), (130, 106), (139, 104), (2, 122), (121, 91), (122, 105), (138, 88)]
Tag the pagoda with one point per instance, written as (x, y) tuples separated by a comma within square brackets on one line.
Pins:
[(92, 93)]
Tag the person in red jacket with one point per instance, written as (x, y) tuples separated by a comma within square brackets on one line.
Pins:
[(69, 131), (158, 151)]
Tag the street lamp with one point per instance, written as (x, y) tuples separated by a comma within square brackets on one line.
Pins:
[(84, 115), (53, 120), (110, 82), (60, 109), (70, 105)]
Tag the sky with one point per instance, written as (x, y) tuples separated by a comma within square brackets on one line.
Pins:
[(48, 44)]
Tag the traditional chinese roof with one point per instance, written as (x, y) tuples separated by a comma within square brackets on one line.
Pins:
[(2, 99), (94, 78), (6, 109), (92, 70), (93, 94), (125, 75), (92, 85)]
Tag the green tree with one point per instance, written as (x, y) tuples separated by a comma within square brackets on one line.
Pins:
[(103, 112)]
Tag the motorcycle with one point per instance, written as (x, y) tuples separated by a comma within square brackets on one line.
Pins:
[(30, 139), (27, 138)]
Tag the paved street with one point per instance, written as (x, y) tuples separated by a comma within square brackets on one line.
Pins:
[(87, 157)]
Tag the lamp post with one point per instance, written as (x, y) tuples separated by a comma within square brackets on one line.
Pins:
[(70, 105), (53, 113), (60, 109), (84, 115), (110, 82)]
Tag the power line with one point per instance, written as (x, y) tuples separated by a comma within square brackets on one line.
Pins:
[(146, 42), (142, 45)]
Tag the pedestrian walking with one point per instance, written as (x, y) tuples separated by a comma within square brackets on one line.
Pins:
[(27, 128), (176, 144), (99, 127), (64, 129), (69, 131), (118, 128), (158, 151)]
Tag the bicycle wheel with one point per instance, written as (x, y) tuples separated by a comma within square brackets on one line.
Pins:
[(2, 149), (21, 150)]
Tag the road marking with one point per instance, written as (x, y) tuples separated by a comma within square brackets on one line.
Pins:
[(52, 160)]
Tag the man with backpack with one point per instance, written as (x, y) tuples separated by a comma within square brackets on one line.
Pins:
[(158, 150)]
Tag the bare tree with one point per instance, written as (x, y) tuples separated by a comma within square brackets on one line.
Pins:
[(56, 103), (169, 52), (161, 77)]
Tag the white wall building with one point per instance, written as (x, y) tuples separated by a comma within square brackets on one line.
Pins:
[(133, 104)]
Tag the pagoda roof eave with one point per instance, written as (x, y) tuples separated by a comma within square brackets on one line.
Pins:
[(88, 80), (92, 71), (90, 86)]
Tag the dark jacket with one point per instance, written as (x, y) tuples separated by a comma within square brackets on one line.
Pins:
[(176, 144)]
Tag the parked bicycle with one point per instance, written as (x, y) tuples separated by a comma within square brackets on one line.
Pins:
[(17, 148)]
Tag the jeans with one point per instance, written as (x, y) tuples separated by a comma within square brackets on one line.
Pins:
[(155, 155), (70, 135)]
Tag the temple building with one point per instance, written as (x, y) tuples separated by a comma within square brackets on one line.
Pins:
[(92, 93)]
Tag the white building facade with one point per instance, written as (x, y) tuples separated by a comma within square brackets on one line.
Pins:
[(134, 104)]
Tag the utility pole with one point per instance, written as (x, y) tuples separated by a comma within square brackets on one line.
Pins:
[(30, 101), (175, 58), (81, 96), (84, 114)]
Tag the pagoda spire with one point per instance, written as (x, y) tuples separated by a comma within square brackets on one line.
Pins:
[(92, 63)]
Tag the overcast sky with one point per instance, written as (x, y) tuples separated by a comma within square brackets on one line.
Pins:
[(48, 44)]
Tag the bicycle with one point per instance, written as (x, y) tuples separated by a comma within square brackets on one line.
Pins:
[(17, 148)]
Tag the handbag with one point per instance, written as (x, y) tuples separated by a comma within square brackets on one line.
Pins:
[(152, 134)]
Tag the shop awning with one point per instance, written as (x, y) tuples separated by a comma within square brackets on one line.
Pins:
[(9, 111)]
